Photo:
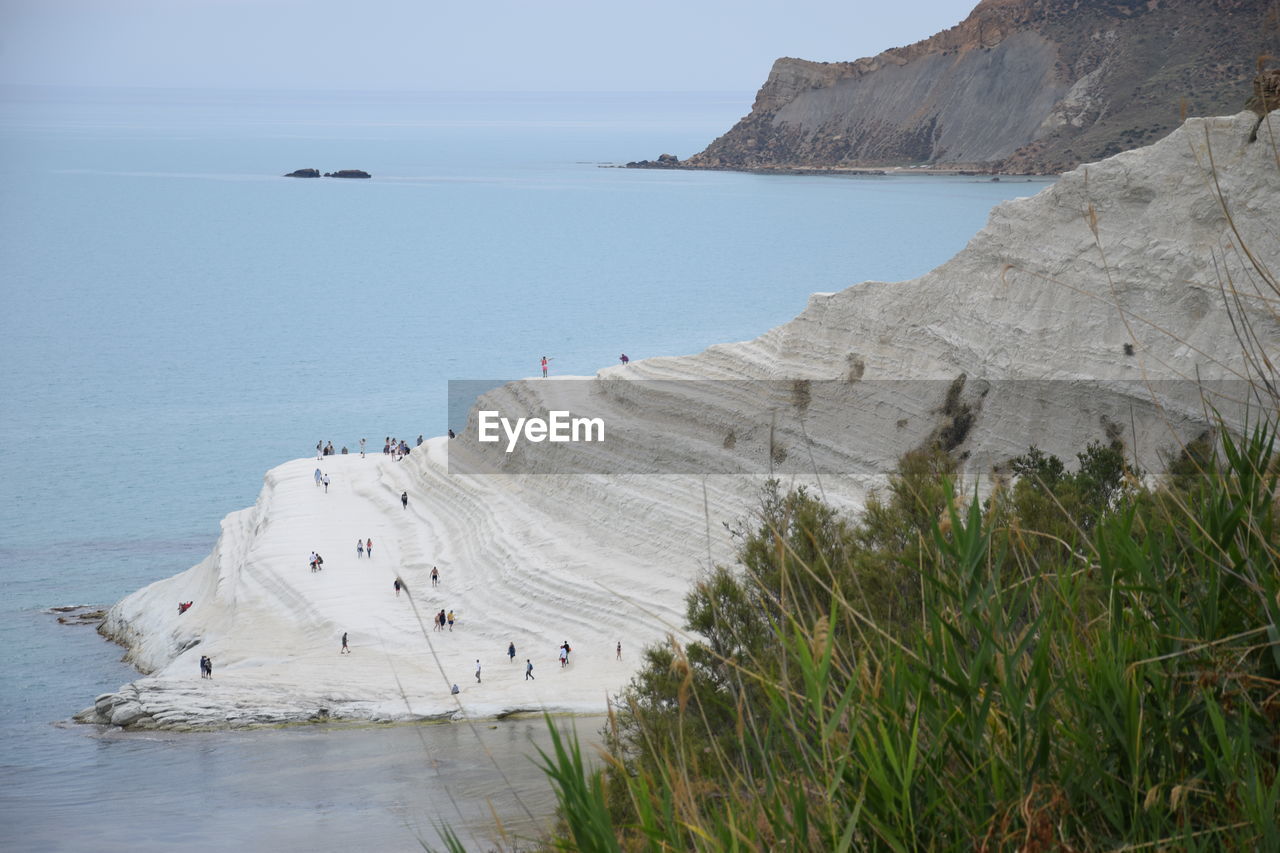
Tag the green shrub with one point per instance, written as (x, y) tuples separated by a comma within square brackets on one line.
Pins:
[(1077, 662)]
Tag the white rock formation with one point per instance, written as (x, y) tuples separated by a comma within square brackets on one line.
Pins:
[(1137, 250)]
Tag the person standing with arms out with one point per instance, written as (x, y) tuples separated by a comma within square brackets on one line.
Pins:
[(344, 650), (359, 548), (435, 576), (511, 651), (368, 548), (528, 670), (404, 499), (477, 670), (545, 360)]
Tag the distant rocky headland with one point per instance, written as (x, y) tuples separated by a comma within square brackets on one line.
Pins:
[(1018, 87), (341, 173)]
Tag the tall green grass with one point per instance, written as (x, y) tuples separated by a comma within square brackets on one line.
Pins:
[(1065, 665)]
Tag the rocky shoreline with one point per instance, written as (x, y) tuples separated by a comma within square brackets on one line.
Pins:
[(838, 171), (180, 706)]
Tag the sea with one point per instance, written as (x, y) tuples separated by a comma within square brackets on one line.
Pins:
[(176, 318)]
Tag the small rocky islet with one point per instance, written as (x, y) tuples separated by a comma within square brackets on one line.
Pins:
[(341, 173)]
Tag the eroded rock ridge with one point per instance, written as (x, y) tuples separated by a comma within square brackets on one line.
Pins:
[(1024, 86)]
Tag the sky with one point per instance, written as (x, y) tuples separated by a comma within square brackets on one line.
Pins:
[(427, 45)]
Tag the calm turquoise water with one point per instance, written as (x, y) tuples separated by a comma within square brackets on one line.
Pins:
[(177, 318)]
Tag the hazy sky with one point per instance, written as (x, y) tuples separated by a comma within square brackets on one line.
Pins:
[(431, 45)]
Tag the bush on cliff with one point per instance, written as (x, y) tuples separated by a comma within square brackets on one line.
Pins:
[(1077, 662)]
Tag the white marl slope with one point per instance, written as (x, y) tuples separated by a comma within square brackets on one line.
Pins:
[(1032, 312)]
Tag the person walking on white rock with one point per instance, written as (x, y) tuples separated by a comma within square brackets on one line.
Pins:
[(619, 657), (326, 484), (398, 586), (368, 548), (359, 548), (404, 499), (344, 650), (450, 620), (202, 660), (564, 657), (477, 670), (511, 651), (528, 670), (435, 576), (319, 474)]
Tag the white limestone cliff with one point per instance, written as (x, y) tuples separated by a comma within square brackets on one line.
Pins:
[(1145, 250)]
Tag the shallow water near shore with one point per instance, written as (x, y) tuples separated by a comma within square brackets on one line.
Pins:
[(179, 318)]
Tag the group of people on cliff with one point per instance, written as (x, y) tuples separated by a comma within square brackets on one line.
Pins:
[(324, 449), (397, 448)]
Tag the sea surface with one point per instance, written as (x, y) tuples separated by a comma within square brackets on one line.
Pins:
[(176, 318)]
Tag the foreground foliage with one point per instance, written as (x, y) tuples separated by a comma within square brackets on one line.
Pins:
[(1077, 662)]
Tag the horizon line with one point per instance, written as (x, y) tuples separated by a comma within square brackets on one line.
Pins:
[(353, 90)]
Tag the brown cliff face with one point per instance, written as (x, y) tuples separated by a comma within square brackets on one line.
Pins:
[(1019, 85)]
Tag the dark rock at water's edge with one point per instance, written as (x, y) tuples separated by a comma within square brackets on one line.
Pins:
[(304, 173), (664, 161), (348, 173), (80, 614)]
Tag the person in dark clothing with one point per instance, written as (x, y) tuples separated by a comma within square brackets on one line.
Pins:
[(344, 650), (398, 586), (404, 499), (528, 670), (511, 651)]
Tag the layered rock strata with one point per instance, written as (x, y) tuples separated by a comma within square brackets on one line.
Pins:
[(1024, 86), (1100, 308)]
